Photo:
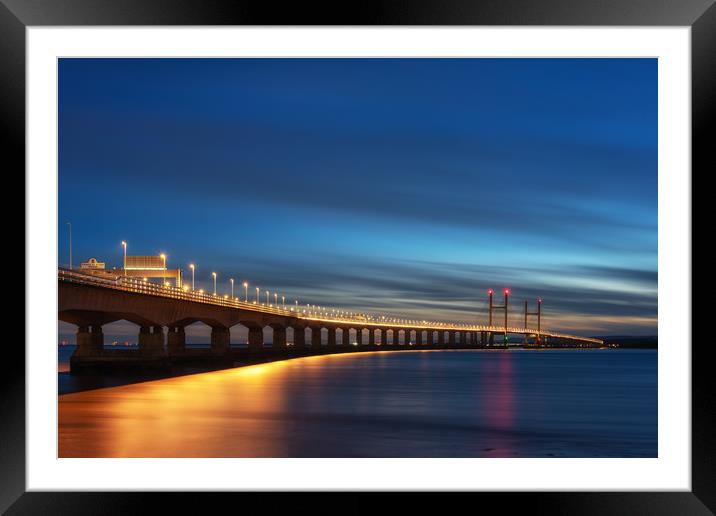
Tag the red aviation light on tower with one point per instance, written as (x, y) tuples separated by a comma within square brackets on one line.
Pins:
[(490, 291), (507, 291)]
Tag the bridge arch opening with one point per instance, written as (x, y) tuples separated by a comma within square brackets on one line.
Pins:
[(308, 332), (268, 336), (239, 336), (198, 335), (121, 333)]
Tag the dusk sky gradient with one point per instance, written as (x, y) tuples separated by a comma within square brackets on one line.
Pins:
[(402, 186)]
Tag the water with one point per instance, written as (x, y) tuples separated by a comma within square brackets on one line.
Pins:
[(516, 403)]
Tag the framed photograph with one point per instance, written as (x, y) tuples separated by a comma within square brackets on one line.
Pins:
[(418, 248)]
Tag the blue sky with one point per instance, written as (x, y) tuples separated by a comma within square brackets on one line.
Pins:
[(406, 186)]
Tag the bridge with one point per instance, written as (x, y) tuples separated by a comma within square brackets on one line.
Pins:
[(89, 302)]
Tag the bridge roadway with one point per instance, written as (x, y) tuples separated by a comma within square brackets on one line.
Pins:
[(91, 301)]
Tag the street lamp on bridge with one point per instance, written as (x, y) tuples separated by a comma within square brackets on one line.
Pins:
[(246, 291), (191, 266), (213, 274), (124, 262), (232, 287)]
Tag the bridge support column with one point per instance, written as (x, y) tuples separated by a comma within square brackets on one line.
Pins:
[(331, 338), (407, 337), (316, 338), (90, 341), (299, 338), (418, 337), (151, 341), (491, 339), (441, 338), (176, 340), (463, 338), (220, 339), (346, 338), (371, 337), (451, 339), (359, 336), (279, 338), (256, 339)]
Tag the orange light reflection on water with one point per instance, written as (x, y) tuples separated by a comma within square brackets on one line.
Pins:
[(237, 412), (215, 414)]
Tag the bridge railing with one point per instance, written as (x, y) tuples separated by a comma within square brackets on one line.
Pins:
[(142, 286)]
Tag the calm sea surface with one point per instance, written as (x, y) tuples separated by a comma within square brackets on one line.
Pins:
[(516, 403)]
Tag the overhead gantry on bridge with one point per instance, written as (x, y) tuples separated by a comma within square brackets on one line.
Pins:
[(90, 302)]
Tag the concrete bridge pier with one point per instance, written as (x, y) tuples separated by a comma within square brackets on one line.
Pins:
[(407, 337), (90, 341), (451, 339), (418, 337), (176, 340), (316, 338), (346, 339), (220, 339), (359, 336), (279, 338), (256, 339), (371, 337), (151, 341), (299, 338), (331, 338), (463, 338)]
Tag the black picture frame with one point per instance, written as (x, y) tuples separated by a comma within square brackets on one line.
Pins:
[(17, 15)]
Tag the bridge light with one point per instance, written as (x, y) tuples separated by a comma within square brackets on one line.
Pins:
[(490, 291)]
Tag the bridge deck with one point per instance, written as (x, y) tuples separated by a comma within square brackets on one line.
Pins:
[(139, 286)]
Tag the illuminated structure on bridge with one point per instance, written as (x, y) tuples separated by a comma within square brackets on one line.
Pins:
[(90, 301)]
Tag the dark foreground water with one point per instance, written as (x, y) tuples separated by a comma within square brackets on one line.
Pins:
[(516, 403)]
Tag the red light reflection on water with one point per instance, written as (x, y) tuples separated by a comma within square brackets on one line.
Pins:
[(498, 393)]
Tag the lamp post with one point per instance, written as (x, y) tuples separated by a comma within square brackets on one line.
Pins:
[(275, 299), (257, 295), (191, 266), (164, 270), (267, 298), (232, 287), (246, 291), (213, 274), (69, 224), (124, 263), (283, 302), (507, 300)]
